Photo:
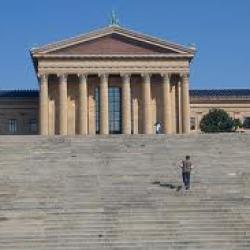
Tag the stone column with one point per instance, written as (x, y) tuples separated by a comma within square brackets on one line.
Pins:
[(44, 105), (173, 107), (63, 105), (91, 109), (104, 105), (179, 107), (126, 105), (146, 104), (185, 105), (135, 118), (167, 118), (83, 104)]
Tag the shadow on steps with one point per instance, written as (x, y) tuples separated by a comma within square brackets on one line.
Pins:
[(168, 185)]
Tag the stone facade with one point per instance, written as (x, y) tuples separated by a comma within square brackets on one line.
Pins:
[(236, 102), (148, 73), (23, 106), (139, 95), (113, 81), (19, 112)]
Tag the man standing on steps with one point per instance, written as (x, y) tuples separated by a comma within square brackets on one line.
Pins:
[(186, 166)]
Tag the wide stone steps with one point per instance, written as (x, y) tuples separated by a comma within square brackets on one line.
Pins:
[(121, 192)]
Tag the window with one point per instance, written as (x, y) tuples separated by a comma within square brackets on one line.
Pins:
[(12, 126), (192, 123), (246, 123), (115, 110), (33, 125), (114, 95)]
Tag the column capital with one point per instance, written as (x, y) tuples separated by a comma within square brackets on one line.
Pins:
[(184, 75), (104, 76), (82, 74), (126, 77), (82, 77), (166, 77), (146, 76), (169, 74), (62, 77), (43, 77)]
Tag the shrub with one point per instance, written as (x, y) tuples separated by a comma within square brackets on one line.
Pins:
[(237, 124), (217, 121)]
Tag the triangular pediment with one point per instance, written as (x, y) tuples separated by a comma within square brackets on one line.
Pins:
[(112, 41), (113, 44)]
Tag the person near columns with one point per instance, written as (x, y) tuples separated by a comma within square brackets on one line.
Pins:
[(157, 127)]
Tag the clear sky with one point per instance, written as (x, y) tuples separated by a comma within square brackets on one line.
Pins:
[(220, 29)]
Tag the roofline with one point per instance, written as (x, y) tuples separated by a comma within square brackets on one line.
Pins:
[(34, 62), (197, 97), (76, 56), (214, 94), (226, 90)]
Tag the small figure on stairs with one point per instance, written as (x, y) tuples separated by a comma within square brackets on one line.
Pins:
[(158, 127), (186, 166)]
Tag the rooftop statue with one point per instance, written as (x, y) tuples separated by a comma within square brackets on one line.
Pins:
[(114, 21)]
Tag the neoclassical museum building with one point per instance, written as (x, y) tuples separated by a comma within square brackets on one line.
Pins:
[(113, 81)]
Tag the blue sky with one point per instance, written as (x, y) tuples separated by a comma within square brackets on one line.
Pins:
[(220, 29)]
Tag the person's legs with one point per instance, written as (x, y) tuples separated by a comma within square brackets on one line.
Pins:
[(188, 180), (184, 177)]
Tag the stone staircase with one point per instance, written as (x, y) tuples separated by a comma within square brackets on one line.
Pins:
[(122, 192)]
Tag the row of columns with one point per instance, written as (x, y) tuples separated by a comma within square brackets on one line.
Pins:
[(183, 96)]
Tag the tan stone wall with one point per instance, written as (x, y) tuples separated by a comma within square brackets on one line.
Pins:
[(23, 110), (112, 66), (236, 109), (26, 109)]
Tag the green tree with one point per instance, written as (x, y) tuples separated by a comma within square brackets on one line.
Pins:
[(217, 121), (237, 124)]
